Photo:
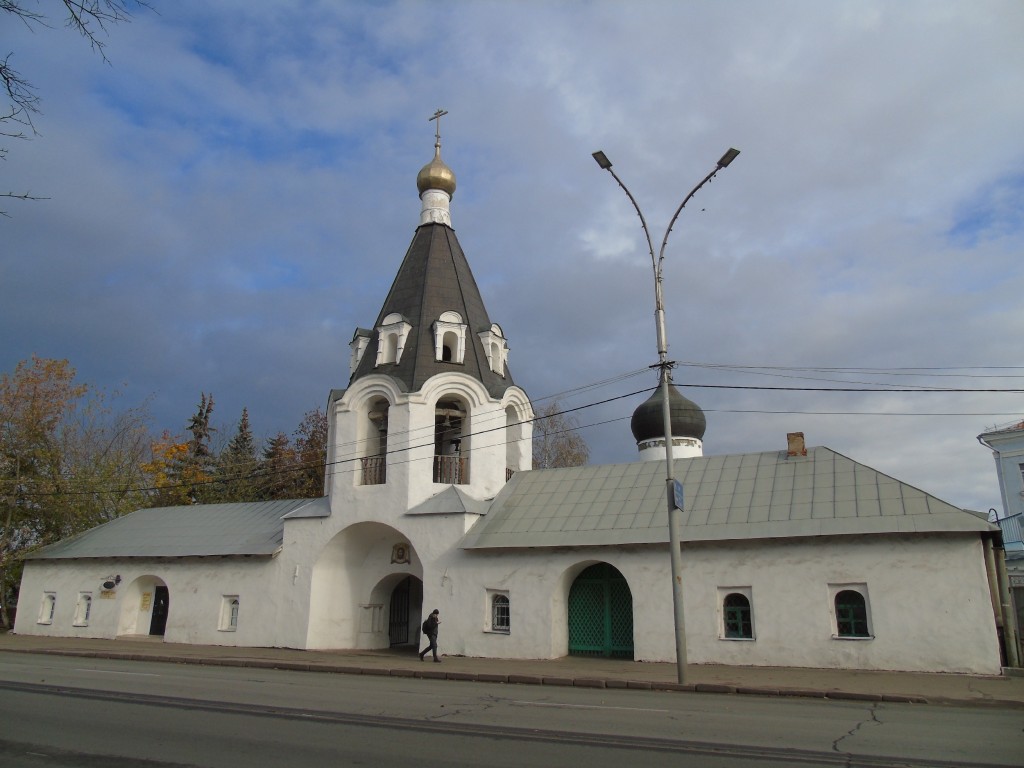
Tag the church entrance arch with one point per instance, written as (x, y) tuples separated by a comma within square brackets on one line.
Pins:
[(366, 590), (601, 614), (145, 607)]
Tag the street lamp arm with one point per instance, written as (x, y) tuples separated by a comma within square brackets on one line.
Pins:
[(643, 221), (661, 253)]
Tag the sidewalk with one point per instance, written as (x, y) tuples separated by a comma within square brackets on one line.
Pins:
[(922, 688)]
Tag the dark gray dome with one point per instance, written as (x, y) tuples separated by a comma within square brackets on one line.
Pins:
[(687, 417)]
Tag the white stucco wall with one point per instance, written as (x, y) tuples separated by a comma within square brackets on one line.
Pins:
[(929, 608), (197, 588)]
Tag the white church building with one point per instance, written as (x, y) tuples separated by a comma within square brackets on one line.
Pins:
[(796, 557)]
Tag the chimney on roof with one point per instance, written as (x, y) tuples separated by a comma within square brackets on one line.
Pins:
[(795, 445)]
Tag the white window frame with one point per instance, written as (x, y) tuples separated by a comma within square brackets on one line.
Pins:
[(724, 592), (862, 589), (495, 348), (450, 323), (391, 334), (229, 610), (47, 608), (493, 595), (83, 609), (360, 341)]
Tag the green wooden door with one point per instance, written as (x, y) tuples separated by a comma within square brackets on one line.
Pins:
[(601, 614)]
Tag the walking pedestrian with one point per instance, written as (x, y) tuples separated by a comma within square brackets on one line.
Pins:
[(430, 630)]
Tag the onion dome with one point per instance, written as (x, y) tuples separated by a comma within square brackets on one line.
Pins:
[(648, 422), (436, 175)]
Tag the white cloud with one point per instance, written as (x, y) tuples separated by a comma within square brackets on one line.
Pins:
[(233, 194)]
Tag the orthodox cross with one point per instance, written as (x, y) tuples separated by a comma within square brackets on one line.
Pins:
[(437, 116)]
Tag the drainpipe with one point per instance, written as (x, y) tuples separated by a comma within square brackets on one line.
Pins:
[(1010, 630), (993, 583)]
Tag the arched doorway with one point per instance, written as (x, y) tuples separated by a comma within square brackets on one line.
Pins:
[(145, 607), (403, 615), (601, 614), (161, 607)]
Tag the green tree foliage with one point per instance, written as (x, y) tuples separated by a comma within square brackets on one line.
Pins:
[(311, 454), (70, 461), (67, 461), (556, 442)]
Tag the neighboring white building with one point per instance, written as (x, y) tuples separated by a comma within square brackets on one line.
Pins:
[(796, 557), (1007, 446)]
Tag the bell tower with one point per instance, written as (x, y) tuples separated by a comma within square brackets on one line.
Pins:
[(431, 402)]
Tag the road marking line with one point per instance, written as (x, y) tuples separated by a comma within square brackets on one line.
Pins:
[(584, 706), (115, 672)]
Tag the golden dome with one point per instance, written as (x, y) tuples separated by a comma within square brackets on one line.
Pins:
[(436, 175)]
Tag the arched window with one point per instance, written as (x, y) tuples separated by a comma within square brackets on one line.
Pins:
[(360, 341), (83, 609), (229, 613), (390, 348), (500, 613), (48, 608), (851, 614), (391, 336), (496, 348), (450, 338), (451, 444), (374, 442), (736, 617)]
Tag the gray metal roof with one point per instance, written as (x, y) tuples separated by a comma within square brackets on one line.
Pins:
[(741, 496), (200, 530), (451, 501)]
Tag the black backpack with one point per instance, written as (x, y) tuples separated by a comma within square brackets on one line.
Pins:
[(426, 630)]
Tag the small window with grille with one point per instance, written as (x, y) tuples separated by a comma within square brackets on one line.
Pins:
[(500, 613), (84, 609), (850, 612), (736, 617), (229, 613), (48, 608)]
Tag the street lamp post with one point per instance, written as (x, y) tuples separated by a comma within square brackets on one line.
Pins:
[(673, 491)]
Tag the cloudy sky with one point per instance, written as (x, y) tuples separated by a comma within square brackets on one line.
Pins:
[(231, 195)]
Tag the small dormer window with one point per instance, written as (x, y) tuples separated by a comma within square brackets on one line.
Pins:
[(495, 348), (391, 336), (360, 341), (450, 338)]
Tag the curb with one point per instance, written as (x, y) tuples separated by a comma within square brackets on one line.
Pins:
[(521, 679)]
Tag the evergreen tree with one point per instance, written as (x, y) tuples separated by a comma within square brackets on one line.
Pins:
[(278, 469), (200, 465), (238, 465)]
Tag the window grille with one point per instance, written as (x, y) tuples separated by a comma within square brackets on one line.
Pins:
[(737, 617), (500, 614), (851, 614), (48, 608), (83, 610)]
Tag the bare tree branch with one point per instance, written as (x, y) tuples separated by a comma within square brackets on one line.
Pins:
[(91, 19)]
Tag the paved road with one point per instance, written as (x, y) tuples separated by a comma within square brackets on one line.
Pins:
[(64, 711)]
